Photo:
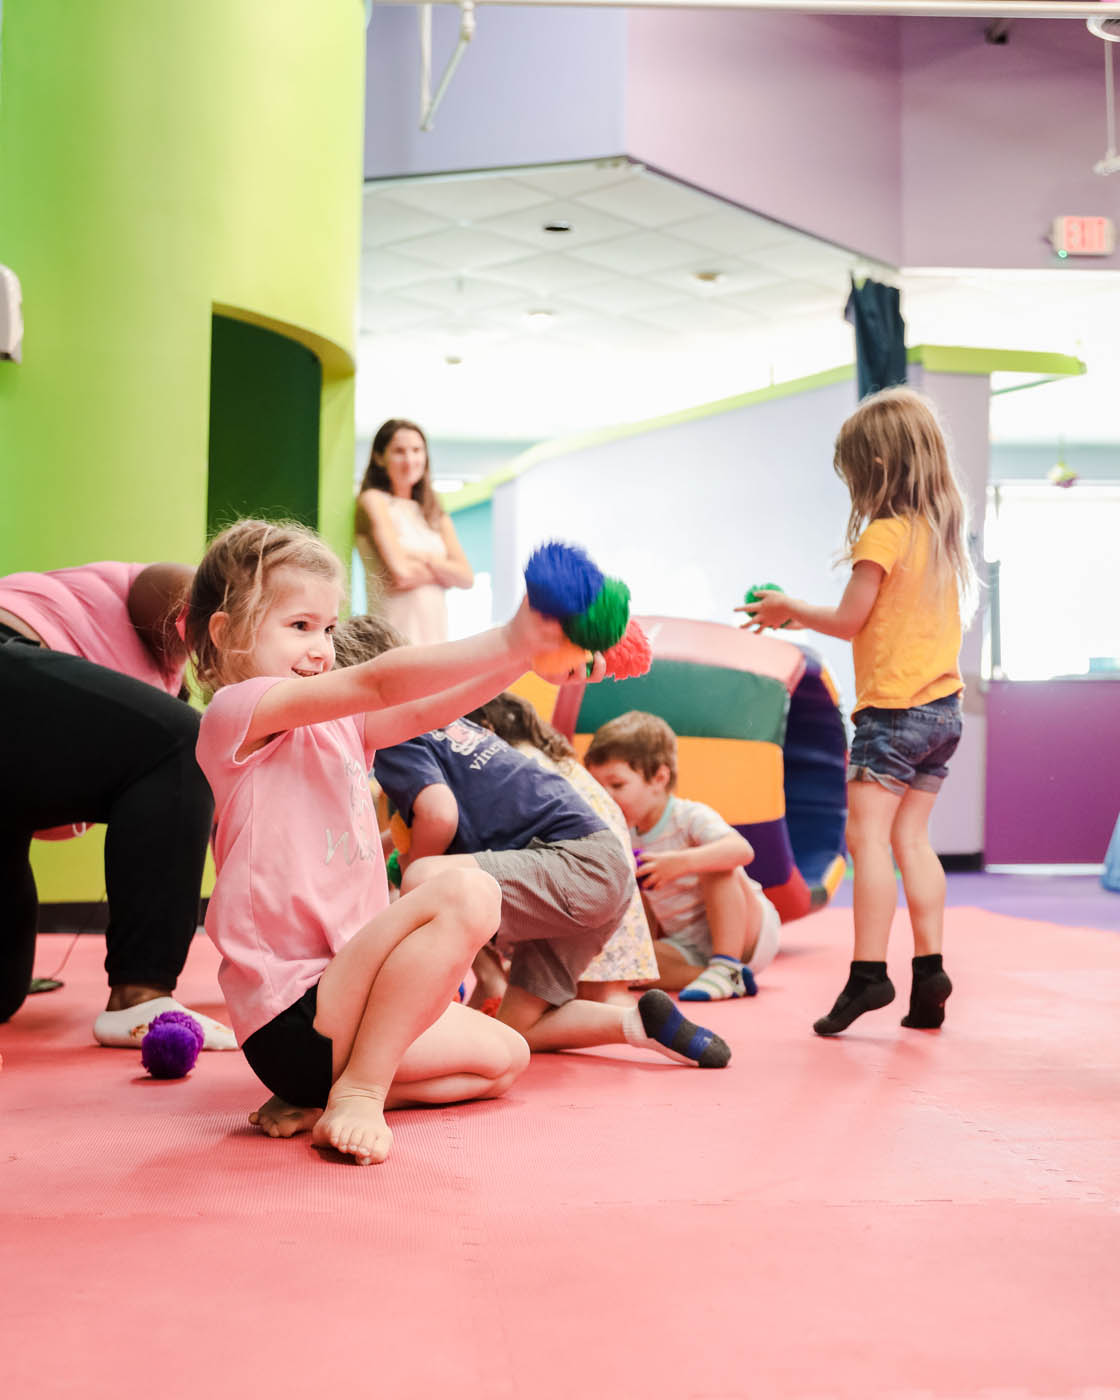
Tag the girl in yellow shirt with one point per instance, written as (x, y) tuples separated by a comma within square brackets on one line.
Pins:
[(901, 610)]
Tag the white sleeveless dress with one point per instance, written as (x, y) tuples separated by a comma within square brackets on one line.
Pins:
[(420, 614)]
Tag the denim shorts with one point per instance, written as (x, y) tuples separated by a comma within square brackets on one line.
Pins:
[(903, 749)]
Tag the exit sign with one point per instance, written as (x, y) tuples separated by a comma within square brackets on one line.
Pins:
[(1080, 236)]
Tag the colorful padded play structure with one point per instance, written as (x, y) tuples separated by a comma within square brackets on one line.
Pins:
[(761, 739)]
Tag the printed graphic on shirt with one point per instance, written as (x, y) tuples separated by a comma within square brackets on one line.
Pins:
[(464, 739), (361, 840)]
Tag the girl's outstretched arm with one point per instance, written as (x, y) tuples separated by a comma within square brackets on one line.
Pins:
[(844, 620), (393, 726), (404, 677)]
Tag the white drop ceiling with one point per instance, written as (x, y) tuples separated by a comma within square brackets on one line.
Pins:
[(658, 297)]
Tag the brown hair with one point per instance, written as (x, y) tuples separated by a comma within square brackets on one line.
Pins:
[(892, 456), (515, 721), (642, 740), (235, 577), (377, 477), (363, 637)]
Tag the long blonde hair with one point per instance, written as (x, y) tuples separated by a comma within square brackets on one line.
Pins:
[(892, 456), (236, 578)]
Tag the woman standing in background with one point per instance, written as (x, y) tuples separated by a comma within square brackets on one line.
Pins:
[(406, 540)]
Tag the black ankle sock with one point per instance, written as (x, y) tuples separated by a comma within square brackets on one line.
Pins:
[(928, 993), (868, 987)]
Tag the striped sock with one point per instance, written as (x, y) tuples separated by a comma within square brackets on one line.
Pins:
[(721, 980), (656, 1024)]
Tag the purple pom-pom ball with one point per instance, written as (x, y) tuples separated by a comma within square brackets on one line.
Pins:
[(171, 1046), (561, 580)]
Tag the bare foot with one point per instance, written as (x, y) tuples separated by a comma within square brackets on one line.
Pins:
[(279, 1119), (353, 1123)]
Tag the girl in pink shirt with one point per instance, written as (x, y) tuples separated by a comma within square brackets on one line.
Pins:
[(343, 1003)]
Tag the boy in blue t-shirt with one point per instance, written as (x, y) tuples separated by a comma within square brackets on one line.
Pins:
[(468, 797)]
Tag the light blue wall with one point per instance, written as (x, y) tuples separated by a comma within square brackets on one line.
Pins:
[(534, 86), (691, 515)]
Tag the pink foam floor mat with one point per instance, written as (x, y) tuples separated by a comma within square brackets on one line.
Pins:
[(899, 1214)]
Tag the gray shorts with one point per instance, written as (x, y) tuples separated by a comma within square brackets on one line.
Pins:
[(561, 901)]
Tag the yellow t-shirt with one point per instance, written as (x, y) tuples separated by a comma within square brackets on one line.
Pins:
[(907, 652)]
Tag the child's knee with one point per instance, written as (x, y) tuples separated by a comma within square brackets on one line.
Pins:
[(476, 899)]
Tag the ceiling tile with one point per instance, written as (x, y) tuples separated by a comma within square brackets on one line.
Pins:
[(386, 221), (381, 314), (566, 181), (547, 273), (734, 278), (465, 294), (638, 253), (624, 295), (587, 225), (697, 318), (458, 249), (466, 198), (651, 201), (385, 268), (729, 230)]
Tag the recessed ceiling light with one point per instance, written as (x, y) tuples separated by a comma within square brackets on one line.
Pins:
[(539, 316), (708, 275), (452, 359), (559, 226)]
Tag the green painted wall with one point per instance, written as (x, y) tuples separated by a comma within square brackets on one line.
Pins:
[(159, 162), (265, 391)]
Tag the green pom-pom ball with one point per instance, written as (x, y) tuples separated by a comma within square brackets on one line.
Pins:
[(604, 622), (393, 869), (752, 594)]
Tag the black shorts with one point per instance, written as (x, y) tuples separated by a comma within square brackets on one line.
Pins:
[(291, 1058)]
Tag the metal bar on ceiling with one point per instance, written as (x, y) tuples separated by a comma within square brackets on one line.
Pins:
[(917, 9)]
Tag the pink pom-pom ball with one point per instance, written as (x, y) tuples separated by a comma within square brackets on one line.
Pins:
[(631, 655)]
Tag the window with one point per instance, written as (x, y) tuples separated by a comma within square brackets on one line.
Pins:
[(1054, 570)]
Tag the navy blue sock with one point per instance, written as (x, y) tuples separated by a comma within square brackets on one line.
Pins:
[(658, 1021)]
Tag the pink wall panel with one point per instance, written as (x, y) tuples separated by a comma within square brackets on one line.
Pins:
[(1053, 771), (796, 117)]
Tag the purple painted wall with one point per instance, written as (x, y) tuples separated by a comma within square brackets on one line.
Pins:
[(999, 139), (1053, 782), (796, 117), (534, 86)]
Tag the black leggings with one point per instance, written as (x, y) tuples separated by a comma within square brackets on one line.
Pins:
[(79, 742)]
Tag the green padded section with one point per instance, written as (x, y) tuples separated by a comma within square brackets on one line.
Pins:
[(265, 393), (704, 702)]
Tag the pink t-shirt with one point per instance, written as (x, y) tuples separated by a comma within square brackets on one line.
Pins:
[(297, 849), (84, 612)]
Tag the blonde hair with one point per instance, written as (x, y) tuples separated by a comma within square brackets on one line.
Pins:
[(236, 578), (362, 637), (642, 740), (892, 456)]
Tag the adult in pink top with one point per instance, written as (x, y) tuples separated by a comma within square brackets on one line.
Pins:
[(296, 879), (91, 664)]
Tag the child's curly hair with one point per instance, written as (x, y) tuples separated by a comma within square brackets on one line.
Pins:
[(515, 721), (236, 577)]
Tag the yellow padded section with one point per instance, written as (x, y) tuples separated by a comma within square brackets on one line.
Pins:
[(741, 778)]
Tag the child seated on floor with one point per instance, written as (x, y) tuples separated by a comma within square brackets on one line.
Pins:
[(715, 928), (628, 956), (472, 802)]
